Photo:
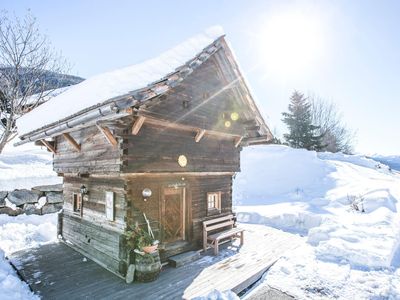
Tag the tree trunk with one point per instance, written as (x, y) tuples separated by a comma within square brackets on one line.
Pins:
[(6, 133), (3, 139)]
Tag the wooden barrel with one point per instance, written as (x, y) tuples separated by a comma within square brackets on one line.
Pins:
[(148, 267)]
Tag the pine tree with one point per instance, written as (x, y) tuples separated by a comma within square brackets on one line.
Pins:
[(302, 133)]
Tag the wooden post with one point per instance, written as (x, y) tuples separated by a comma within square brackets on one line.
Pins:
[(199, 135), (204, 239), (216, 246), (48, 146), (138, 124), (72, 142), (108, 135)]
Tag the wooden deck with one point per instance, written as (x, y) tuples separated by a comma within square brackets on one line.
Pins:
[(55, 271)]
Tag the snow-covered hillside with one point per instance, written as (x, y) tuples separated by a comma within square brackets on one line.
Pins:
[(345, 206), (26, 166)]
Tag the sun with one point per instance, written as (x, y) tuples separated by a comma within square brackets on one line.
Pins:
[(291, 43)]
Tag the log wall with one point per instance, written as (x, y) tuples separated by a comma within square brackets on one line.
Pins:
[(98, 238), (196, 187), (97, 155), (157, 149)]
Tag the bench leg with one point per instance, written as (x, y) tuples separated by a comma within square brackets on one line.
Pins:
[(241, 238), (204, 241), (216, 246)]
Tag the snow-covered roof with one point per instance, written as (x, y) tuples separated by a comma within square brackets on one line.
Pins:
[(41, 98), (103, 87)]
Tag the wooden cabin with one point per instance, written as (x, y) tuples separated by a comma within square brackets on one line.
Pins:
[(168, 150)]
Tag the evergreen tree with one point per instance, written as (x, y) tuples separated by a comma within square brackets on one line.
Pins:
[(302, 133)]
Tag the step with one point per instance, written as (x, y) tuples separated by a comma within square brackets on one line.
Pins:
[(183, 258)]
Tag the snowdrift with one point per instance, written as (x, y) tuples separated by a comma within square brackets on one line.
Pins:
[(347, 206), (347, 209)]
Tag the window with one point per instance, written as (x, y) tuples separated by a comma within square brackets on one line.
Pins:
[(77, 204), (214, 201)]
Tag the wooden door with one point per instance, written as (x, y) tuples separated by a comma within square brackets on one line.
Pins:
[(173, 214)]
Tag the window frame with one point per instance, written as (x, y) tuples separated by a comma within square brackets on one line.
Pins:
[(77, 204), (216, 208)]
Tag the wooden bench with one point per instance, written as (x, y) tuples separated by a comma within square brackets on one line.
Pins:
[(220, 223)]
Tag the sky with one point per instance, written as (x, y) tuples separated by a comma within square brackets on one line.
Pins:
[(343, 51)]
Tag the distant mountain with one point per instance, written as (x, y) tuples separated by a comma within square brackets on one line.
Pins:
[(393, 161), (52, 80)]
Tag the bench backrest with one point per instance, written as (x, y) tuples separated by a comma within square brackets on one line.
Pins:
[(218, 223)]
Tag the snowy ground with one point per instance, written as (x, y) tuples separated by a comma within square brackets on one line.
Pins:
[(23, 167), (26, 166), (17, 233), (347, 209)]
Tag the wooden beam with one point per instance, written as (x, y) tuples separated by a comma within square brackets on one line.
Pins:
[(200, 133), (108, 135), (183, 127), (238, 141), (257, 140), (167, 174), (138, 124), (72, 142), (48, 146)]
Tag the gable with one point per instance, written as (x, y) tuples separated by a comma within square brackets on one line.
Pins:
[(210, 98)]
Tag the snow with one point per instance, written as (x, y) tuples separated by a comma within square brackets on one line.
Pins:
[(218, 295), (41, 202), (26, 231), (347, 209), (17, 233), (46, 95), (100, 88), (393, 161), (11, 287), (25, 167), (302, 274)]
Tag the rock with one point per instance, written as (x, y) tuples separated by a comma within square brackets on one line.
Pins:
[(3, 195), (30, 209), (49, 188), (51, 208), (54, 197), (130, 274), (20, 197), (11, 212)]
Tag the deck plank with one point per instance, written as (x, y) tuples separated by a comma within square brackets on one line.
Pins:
[(56, 271)]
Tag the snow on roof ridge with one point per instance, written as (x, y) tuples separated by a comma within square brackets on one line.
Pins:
[(102, 87)]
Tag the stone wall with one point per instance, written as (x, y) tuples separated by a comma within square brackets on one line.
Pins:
[(39, 200)]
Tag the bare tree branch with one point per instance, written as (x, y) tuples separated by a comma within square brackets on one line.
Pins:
[(26, 58), (337, 137)]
